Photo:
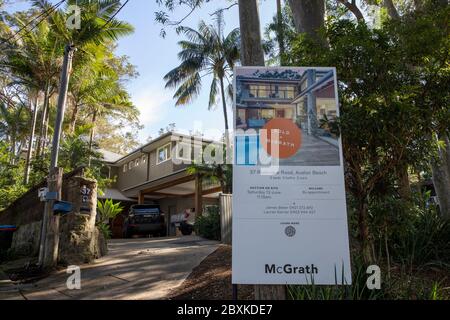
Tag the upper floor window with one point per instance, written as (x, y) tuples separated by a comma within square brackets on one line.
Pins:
[(124, 168), (130, 165), (164, 153), (144, 159), (136, 163)]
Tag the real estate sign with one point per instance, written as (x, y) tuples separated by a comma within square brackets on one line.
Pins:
[(289, 204)]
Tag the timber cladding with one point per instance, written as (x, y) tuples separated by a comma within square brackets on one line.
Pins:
[(28, 208)]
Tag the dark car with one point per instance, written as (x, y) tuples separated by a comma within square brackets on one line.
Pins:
[(145, 220)]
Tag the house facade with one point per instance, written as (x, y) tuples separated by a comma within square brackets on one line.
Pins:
[(157, 173)]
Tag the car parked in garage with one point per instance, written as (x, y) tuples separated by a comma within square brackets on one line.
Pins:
[(145, 220)]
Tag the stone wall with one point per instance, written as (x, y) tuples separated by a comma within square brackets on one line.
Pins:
[(80, 241), (28, 208), (26, 239)]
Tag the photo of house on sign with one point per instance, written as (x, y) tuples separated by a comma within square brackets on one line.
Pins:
[(286, 114)]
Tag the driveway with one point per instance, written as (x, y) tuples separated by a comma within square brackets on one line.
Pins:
[(135, 269)]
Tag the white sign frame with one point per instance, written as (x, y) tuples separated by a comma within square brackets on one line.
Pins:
[(289, 227)]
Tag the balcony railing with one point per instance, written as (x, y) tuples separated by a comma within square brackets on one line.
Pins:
[(268, 94)]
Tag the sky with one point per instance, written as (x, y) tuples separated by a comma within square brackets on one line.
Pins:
[(154, 56)]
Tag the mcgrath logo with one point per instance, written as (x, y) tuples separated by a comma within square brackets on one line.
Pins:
[(290, 231)]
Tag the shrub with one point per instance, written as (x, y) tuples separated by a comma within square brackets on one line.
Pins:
[(357, 291), (107, 211), (412, 234), (208, 225)]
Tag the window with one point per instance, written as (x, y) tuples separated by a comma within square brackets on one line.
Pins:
[(124, 168), (164, 154), (136, 162), (130, 165), (144, 159)]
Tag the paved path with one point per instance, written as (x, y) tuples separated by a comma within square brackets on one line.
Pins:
[(136, 269)]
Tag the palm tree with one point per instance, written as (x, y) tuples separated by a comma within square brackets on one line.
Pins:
[(98, 26), (206, 52), (33, 65), (13, 126), (109, 99)]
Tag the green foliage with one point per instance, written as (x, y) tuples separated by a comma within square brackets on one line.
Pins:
[(398, 285), (107, 210), (11, 177), (205, 52), (105, 230), (279, 37), (425, 240), (393, 101), (357, 291), (208, 225), (75, 150), (29, 74), (215, 173)]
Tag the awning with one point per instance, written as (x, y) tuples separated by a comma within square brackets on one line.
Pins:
[(115, 194)]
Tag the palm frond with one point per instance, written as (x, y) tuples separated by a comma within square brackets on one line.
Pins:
[(189, 90)]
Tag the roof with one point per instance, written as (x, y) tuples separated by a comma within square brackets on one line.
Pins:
[(109, 156), (114, 194), (145, 146)]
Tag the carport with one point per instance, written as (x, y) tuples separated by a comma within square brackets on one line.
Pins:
[(178, 190)]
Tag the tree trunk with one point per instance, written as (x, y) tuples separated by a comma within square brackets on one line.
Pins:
[(441, 178), (62, 100), (40, 144), (404, 187), (45, 143), (73, 120), (30, 142), (270, 293), (390, 7), (280, 33), (309, 16), (353, 8), (418, 4), (91, 136), (12, 159), (364, 229), (252, 53), (225, 114)]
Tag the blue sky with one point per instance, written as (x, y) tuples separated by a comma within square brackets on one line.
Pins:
[(154, 57)]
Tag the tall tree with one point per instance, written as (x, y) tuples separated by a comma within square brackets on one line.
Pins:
[(280, 32), (207, 52), (252, 53), (98, 25), (309, 16), (391, 9), (354, 9)]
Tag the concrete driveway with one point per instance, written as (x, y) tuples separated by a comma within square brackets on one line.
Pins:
[(135, 269)]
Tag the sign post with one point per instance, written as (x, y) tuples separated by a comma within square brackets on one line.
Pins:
[(289, 202)]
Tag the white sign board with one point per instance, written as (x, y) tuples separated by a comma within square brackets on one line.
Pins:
[(289, 204)]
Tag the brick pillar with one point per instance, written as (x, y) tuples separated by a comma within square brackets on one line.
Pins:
[(80, 241)]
